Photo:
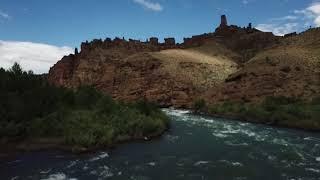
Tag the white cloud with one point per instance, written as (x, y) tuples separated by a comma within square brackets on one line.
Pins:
[(277, 29), (31, 56), (4, 15), (154, 6), (314, 9), (299, 20), (245, 2), (286, 18)]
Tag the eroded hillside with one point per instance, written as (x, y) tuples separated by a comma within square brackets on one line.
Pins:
[(233, 63), (171, 77), (291, 68)]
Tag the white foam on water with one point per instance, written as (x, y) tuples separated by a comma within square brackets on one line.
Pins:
[(45, 171), (311, 139), (219, 135), (207, 120), (199, 163), (59, 176), (72, 163), (272, 158), (105, 172), (229, 143), (16, 161), (249, 133), (15, 178), (85, 167), (151, 164), (280, 142), (230, 131), (93, 172), (318, 159), (238, 164), (313, 170), (180, 164), (172, 138), (174, 112), (300, 155), (102, 155)]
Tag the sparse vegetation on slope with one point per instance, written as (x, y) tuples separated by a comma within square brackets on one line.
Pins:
[(202, 69), (290, 68), (280, 111)]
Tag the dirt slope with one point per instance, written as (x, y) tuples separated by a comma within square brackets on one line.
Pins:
[(291, 68), (173, 77)]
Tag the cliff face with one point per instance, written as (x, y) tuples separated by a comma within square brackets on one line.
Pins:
[(232, 63), (133, 70)]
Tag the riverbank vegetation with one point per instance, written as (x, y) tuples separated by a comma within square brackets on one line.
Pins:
[(30, 108), (279, 111)]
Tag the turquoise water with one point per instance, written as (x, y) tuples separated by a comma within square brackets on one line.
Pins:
[(195, 148)]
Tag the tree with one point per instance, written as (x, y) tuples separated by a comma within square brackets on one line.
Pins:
[(16, 69)]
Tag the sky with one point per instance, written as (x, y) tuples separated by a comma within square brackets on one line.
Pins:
[(37, 33)]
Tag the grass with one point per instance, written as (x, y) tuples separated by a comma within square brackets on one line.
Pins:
[(201, 69), (281, 111), (30, 108)]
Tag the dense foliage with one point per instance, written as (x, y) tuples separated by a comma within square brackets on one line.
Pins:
[(283, 111), (31, 108)]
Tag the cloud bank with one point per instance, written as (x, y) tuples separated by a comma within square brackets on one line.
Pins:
[(31, 56), (154, 6), (4, 15), (277, 29), (296, 21)]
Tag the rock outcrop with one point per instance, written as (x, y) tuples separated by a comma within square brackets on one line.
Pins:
[(172, 74), (124, 69)]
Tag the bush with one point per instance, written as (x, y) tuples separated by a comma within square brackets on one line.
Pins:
[(275, 110), (199, 105), (31, 108)]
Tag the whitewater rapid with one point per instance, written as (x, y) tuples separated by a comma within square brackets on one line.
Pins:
[(196, 147)]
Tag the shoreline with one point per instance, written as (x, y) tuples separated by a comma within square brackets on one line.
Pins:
[(256, 121), (46, 144)]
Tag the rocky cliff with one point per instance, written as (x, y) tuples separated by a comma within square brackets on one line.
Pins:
[(232, 63)]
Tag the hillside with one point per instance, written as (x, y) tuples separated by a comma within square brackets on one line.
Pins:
[(231, 64), (166, 77), (291, 68), (202, 70)]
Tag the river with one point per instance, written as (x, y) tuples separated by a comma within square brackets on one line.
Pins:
[(196, 147)]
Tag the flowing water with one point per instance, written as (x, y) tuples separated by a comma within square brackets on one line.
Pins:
[(195, 148)]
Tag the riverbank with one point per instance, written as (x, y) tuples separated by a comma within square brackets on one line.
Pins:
[(196, 147), (52, 144), (275, 111), (36, 115)]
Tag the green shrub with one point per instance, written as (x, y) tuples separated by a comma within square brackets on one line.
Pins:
[(275, 110), (199, 105), (31, 108)]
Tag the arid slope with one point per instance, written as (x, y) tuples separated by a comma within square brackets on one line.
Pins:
[(172, 77), (290, 68)]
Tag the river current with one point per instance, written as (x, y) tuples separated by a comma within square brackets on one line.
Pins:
[(195, 148)]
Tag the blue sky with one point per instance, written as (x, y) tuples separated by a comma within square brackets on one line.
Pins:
[(66, 23)]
